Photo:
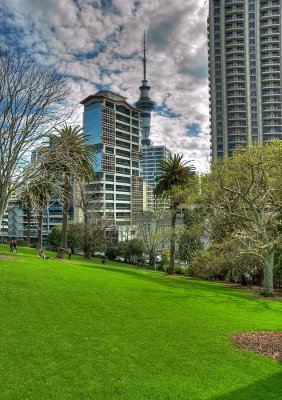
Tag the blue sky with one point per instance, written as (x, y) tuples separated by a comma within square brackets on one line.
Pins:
[(98, 43)]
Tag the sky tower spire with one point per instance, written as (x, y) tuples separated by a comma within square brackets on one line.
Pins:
[(145, 104), (144, 58)]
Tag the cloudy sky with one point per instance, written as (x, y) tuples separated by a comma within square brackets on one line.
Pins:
[(98, 43)]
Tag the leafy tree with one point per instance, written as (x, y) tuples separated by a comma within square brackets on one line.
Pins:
[(131, 249), (54, 237), (73, 239), (175, 174), (190, 238), (32, 104), (71, 157), (244, 193)]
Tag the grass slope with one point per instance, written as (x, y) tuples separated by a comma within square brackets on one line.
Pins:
[(76, 330)]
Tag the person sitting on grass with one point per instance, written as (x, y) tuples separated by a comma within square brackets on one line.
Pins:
[(42, 255)]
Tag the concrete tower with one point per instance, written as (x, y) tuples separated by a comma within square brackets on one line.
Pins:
[(145, 104), (244, 73)]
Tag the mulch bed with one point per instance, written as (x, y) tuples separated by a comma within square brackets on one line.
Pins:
[(5, 258), (255, 288), (267, 343)]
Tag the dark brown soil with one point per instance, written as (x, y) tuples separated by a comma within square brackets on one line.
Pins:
[(267, 343), (5, 258)]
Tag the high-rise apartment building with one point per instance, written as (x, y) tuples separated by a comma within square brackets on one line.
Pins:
[(113, 126), (244, 73)]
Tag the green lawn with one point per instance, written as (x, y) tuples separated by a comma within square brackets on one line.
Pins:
[(78, 330)]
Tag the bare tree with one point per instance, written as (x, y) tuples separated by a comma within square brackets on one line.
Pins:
[(92, 232), (32, 104), (150, 227)]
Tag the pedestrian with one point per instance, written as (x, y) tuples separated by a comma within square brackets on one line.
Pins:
[(14, 246), (69, 253), (11, 246)]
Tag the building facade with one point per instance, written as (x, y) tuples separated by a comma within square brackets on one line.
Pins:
[(151, 168), (244, 73), (113, 126)]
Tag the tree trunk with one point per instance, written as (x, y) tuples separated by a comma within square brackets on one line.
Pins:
[(87, 247), (152, 258), (40, 229), (63, 245), (3, 205), (267, 290), (171, 269), (28, 226)]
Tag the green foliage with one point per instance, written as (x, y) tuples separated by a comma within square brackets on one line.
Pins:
[(189, 241), (112, 251), (226, 261), (73, 240), (243, 196), (175, 173), (131, 249), (54, 237), (21, 242)]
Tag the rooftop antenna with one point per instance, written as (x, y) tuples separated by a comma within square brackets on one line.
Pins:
[(144, 58)]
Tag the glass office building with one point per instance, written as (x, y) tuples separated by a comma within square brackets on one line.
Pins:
[(113, 127), (244, 73)]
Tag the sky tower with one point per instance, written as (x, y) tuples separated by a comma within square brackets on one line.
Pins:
[(145, 104)]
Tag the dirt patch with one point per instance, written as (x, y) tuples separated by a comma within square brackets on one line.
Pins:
[(5, 258), (257, 296), (267, 343), (254, 288)]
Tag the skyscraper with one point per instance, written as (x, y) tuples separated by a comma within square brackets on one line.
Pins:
[(244, 73), (151, 155), (113, 126)]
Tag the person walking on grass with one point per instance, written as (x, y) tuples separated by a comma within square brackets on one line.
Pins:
[(11, 246), (14, 246)]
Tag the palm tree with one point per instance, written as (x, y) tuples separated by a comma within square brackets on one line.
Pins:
[(71, 157), (175, 174)]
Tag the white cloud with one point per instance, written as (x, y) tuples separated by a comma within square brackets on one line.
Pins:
[(86, 38)]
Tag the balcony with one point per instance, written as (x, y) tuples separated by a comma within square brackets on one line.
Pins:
[(269, 24), (271, 5), (234, 2), (234, 27), (270, 62), (271, 100), (270, 55), (232, 10), (270, 47), (270, 40), (266, 15), (234, 18), (235, 72), (269, 32)]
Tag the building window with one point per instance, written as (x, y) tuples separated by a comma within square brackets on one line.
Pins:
[(122, 109), (123, 179), (109, 104), (110, 187), (110, 178)]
